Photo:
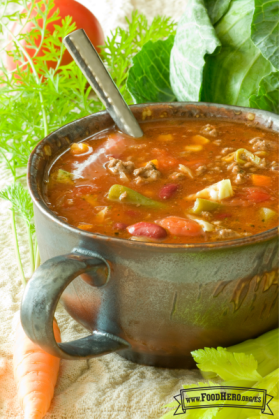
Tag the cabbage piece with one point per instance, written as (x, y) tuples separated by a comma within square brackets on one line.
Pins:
[(206, 226), (64, 177), (267, 214), (215, 192)]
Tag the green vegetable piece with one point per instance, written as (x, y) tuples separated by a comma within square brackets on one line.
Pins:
[(195, 40), (265, 29), (64, 177), (204, 205), (149, 78), (267, 214), (238, 156), (216, 9), (132, 197), (265, 350), (234, 74), (267, 96), (228, 365)]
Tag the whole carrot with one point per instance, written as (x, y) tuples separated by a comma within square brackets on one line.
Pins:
[(35, 373)]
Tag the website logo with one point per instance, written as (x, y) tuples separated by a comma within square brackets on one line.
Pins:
[(223, 396)]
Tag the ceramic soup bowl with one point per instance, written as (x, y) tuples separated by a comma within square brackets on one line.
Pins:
[(153, 303)]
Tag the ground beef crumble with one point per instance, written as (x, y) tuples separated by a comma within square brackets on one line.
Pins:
[(148, 173), (119, 167)]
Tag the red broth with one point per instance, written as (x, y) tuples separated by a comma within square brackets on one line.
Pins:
[(95, 185)]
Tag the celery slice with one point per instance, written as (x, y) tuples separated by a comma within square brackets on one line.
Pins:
[(204, 205), (132, 197)]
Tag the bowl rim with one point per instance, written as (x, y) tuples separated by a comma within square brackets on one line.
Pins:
[(225, 244)]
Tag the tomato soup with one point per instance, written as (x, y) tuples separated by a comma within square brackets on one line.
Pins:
[(184, 181)]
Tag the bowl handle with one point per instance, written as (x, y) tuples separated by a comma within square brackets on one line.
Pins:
[(41, 297)]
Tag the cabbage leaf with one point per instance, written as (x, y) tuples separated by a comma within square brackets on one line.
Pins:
[(233, 75), (265, 29), (216, 9), (195, 37), (149, 77), (267, 97)]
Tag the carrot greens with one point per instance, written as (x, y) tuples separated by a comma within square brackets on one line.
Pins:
[(41, 95)]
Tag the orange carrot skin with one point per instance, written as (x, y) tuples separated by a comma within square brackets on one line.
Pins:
[(35, 373)]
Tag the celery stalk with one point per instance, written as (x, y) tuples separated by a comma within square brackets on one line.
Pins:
[(265, 350)]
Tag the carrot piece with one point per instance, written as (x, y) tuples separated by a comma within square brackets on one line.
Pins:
[(261, 180), (35, 373)]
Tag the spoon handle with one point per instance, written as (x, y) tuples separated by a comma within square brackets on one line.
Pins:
[(90, 63)]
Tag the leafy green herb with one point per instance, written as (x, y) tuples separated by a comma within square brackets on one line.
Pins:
[(149, 78), (41, 95), (21, 206), (194, 39)]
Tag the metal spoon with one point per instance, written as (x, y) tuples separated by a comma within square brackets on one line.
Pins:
[(90, 63)]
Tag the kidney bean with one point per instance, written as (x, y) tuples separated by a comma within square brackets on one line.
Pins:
[(147, 230), (168, 191), (120, 226)]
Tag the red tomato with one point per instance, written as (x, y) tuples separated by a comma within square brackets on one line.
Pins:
[(82, 17), (165, 161), (248, 197), (257, 194), (181, 226)]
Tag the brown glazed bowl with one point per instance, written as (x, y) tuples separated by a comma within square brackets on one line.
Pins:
[(153, 303)]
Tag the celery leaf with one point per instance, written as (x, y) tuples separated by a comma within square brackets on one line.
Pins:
[(229, 366)]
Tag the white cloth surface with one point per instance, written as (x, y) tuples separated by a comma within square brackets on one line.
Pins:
[(108, 387)]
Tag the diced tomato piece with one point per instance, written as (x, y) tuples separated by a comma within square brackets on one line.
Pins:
[(257, 194), (181, 226), (222, 216), (165, 161)]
